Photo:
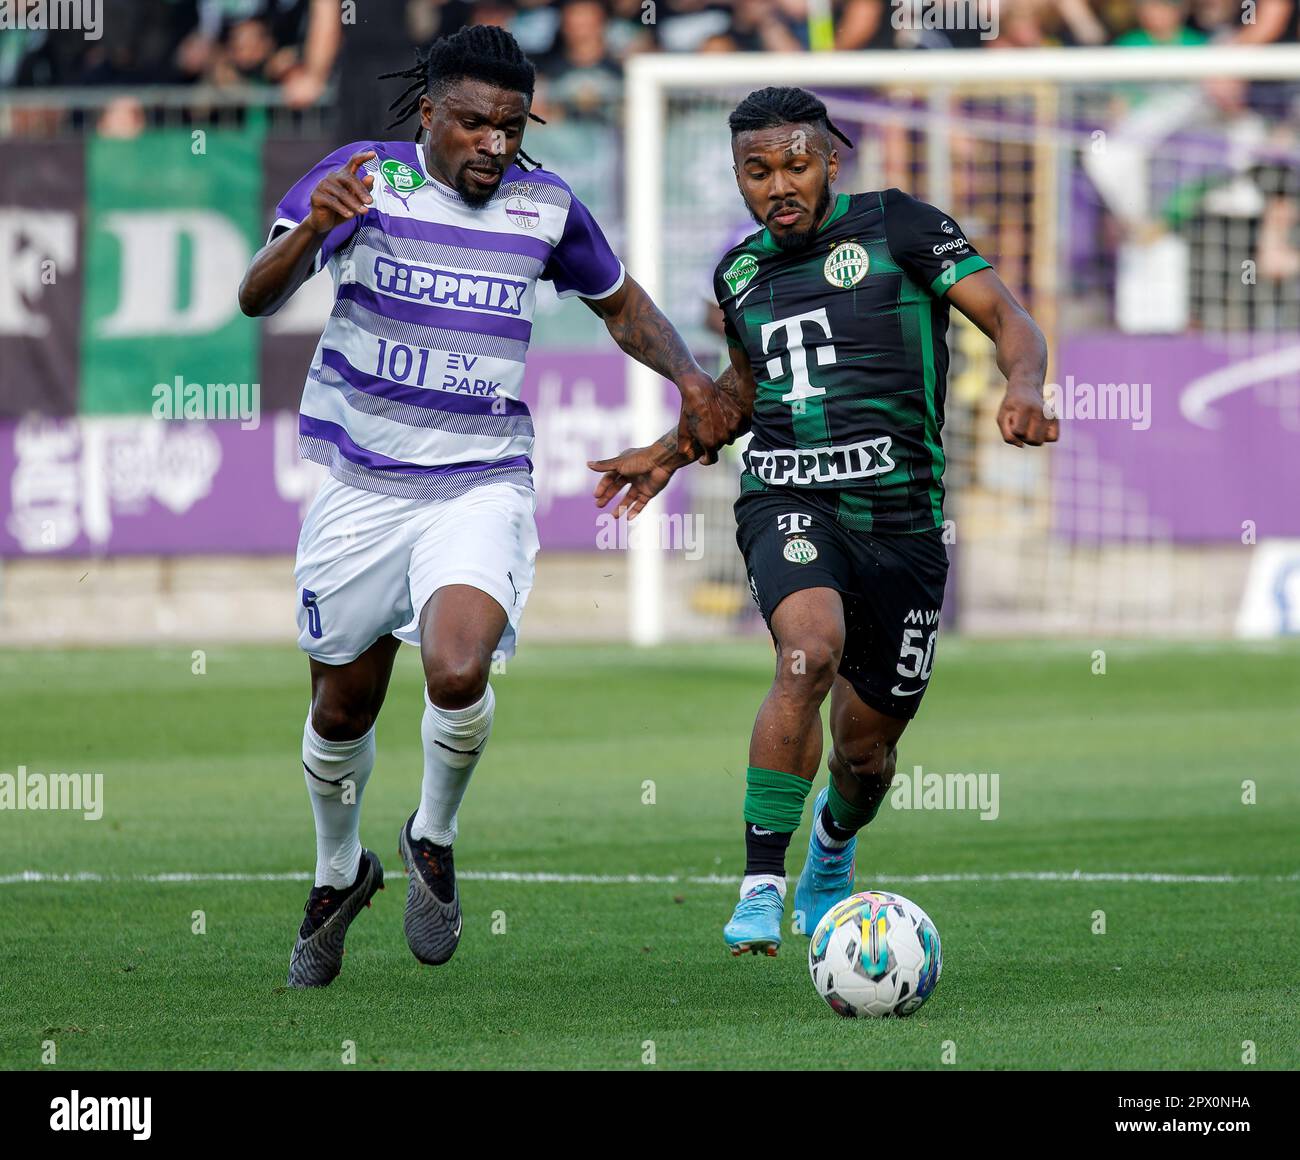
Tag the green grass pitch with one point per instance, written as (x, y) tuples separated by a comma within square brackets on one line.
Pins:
[(1138, 771)]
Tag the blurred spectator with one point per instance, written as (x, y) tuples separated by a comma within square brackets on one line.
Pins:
[(1275, 22), (379, 42), (756, 26), (719, 42), (244, 55), (137, 46), (122, 117), (630, 29), (1020, 25), (498, 12), (582, 75), (863, 24), (683, 25), (1218, 19), (1077, 23), (307, 72), (1161, 23)]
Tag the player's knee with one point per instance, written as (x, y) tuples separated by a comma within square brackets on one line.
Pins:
[(456, 681), (336, 722), (807, 669)]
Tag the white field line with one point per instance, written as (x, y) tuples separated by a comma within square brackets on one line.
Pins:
[(38, 876)]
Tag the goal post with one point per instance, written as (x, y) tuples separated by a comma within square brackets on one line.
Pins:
[(1008, 143)]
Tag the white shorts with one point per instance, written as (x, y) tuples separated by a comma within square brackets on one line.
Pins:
[(368, 562)]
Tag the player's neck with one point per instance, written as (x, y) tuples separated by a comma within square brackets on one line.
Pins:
[(831, 207)]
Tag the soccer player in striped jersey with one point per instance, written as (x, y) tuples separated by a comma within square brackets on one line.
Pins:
[(424, 532), (835, 312)]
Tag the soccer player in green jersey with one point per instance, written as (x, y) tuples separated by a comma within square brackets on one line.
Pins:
[(836, 312)]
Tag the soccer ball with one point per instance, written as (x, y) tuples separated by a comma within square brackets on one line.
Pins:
[(875, 954)]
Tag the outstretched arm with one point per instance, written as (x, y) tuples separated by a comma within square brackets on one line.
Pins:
[(643, 331), (1021, 354), (645, 471)]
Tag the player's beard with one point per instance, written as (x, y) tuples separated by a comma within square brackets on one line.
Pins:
[(476, 197), (798, 239)]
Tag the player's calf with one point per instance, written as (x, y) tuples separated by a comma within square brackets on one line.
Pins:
[(862, 767), (773, 807), (784, 753)]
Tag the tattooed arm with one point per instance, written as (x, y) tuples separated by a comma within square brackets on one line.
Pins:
[(645, 471), (642, 331)]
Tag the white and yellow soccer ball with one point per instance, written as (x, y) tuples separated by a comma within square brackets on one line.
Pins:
[(874, 955)]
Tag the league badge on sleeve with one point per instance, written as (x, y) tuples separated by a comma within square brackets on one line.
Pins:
[(401, 177)]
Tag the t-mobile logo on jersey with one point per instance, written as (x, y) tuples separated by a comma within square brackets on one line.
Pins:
[(793, 328), (793, 523)]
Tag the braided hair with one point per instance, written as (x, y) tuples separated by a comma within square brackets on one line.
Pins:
[(767, 108), (480, 52)]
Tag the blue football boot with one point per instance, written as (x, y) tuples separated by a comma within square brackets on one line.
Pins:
[(755, 924), (826, 879)]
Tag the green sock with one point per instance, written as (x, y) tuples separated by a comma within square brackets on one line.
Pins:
[(849, 817), (774, 800)]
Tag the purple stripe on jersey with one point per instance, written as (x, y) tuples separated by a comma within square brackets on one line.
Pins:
[(428, 397), (426, 314), (582, 262), (314, 428), (427, 231)]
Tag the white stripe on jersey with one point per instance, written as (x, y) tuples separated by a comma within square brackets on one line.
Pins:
[(417, 445)]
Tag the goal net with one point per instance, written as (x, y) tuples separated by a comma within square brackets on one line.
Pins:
[(1142, 204)]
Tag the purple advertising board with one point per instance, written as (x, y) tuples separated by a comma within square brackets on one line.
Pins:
[(1181, 438), (133, 484)]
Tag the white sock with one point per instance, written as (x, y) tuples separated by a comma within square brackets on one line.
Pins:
[(336, 774), (454, 740), (750, 881), (825, 839)]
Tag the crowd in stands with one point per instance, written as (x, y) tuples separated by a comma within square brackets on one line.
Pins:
[(580, 45)]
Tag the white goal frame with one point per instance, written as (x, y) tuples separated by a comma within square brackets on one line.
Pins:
[(650, 78)]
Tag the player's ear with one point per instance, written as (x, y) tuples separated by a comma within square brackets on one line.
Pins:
[(832, 167), (426, 112)]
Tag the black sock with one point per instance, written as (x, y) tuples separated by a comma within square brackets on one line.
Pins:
[(832, 827), (765, 851)]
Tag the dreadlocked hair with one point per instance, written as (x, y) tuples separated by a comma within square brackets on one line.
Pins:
[(773, 106), (480, 52)]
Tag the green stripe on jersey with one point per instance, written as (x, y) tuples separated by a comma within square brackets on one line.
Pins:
[(954, 274)]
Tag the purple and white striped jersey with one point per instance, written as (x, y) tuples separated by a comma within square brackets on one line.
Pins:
[(414, 387)]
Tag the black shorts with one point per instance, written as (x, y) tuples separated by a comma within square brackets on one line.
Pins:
[(891, 583)]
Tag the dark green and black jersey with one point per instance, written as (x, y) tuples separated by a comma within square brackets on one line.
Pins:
[(846, 339)]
